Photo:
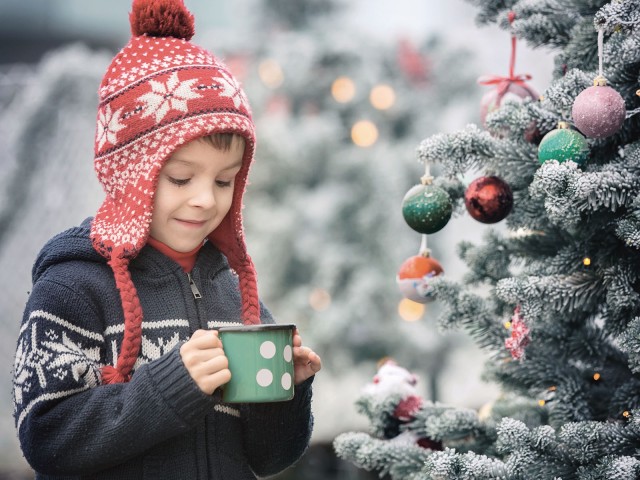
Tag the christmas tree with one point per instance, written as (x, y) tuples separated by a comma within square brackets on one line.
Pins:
[(554, 299)]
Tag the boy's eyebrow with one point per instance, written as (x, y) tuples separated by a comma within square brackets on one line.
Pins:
[(235, 164), (179, 160), (187, 162)]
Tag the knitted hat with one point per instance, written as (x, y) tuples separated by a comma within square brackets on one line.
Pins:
[(160, 92)]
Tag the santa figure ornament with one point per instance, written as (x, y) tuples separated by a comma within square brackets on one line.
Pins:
[(415, 276), (394, 397)]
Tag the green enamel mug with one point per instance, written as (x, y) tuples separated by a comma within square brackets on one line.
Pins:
[(261, 363)]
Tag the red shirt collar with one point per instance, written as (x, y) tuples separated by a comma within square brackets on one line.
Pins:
[(185, 259)]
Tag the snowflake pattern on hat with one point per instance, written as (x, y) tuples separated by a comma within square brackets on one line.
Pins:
[(231, 88), (172, 95), (108, 126)]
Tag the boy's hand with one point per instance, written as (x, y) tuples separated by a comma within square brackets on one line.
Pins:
[(306, 362), (205, 360)]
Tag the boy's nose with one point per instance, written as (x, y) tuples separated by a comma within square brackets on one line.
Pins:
[(204, 198)]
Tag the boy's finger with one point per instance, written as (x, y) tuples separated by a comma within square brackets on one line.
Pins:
[(206, 339)]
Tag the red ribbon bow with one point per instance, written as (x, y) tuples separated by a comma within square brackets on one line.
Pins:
[(501, 82)]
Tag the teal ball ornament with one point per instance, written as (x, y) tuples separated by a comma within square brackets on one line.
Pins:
[(426, 208), (563, 144)]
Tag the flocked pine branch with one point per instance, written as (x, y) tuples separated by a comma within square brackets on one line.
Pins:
[(401, 460)]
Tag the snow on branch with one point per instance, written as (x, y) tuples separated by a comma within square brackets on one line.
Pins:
[(618, 15), (460, 151), (580, 291), (393, 457)]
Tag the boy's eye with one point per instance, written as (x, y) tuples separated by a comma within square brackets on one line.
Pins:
[(223, 184), (178, 181)]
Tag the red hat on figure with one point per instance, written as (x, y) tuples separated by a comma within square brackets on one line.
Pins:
[(160, 92)]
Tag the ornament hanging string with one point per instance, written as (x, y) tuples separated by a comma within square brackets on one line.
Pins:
[(426, 179), (424, 249), (630, 113), (600, 50), (502, 83)]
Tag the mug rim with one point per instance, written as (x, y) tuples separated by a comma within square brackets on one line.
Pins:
[(257, 328)]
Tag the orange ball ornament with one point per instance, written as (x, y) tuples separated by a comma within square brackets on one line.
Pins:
[(414, 278)]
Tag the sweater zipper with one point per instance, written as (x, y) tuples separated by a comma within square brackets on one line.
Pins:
[(194, 287)]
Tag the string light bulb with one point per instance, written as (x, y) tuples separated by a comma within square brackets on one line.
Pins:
[(271, 73), (343, 89), (586, 261), (541, 402), (319, 299), (596, 376), (410, 311), (382, 97), (364, 133)]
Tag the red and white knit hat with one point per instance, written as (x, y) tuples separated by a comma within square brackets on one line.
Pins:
[(160, 92)]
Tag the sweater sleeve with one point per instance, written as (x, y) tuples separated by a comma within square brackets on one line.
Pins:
[(277, 434), (70, 424)]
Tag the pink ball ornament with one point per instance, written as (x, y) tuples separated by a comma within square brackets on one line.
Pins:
[(504, 91), (599, 111)]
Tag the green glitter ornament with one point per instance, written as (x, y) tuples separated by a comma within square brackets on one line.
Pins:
[(426, 208), (563, 144)]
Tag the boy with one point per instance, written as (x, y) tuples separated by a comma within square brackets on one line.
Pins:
[(117, 369)]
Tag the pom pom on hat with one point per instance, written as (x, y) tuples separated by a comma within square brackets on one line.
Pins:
[(161, 18)]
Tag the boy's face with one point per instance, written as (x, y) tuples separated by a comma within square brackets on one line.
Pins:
[(194, 193)]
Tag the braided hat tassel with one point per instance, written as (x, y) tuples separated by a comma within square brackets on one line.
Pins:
[(132, 324)]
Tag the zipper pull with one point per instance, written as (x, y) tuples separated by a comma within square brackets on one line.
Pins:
[(194, 287)]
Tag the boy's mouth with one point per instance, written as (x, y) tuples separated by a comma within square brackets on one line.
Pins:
[(195, 223)]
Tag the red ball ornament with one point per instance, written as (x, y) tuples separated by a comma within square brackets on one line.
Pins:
[(414, 278), (488, 199), (599, 111)]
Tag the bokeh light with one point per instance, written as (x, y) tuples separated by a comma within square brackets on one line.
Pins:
[(410, 311), (382, 97), (364, 133), (319, 299), (343, 89), (271, 73)]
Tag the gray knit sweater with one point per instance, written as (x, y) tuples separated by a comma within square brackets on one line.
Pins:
[(160, 425)]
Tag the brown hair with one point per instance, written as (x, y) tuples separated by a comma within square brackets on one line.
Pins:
[(221, 141)]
